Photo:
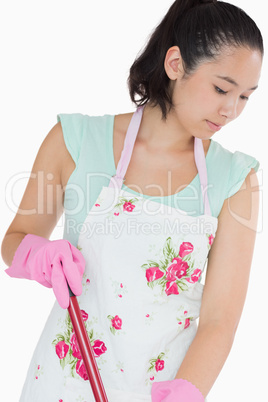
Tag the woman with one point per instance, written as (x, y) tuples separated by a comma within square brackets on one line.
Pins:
[(140, 288)]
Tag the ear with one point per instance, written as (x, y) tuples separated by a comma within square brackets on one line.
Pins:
[(173, 63)]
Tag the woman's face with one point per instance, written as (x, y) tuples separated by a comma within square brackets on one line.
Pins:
[(217, 92)]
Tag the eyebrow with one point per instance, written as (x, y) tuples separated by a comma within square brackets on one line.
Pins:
[(233, 82)]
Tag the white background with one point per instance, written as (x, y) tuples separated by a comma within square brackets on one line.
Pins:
[(73, 56)]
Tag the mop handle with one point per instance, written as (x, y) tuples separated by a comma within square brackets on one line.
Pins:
[(86, 349)]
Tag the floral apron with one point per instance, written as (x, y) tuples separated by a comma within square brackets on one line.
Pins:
[(141, 293)]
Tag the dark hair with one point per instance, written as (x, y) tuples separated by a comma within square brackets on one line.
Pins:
[(200, 29)]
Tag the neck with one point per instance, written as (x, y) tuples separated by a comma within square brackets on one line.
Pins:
[(166, 135)]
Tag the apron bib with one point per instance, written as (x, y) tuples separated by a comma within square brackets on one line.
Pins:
[(141, 288)]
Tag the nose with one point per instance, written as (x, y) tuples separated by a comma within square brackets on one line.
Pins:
[(229, 109)]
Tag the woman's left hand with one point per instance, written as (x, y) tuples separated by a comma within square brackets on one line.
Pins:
[(176, 391)]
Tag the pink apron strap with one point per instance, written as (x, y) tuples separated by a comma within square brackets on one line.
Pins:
[(200, 161), (130, 139), (133, 128)]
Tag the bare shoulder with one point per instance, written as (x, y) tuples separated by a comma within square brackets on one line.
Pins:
[(121, 123), (54, 153)]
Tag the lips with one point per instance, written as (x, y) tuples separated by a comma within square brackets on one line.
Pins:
[(213, 126)]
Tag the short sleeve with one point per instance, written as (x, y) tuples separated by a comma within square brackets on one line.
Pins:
[(241, 165), (73, 126)]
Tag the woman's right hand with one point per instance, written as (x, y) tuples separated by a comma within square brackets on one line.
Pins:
[(55, 264)]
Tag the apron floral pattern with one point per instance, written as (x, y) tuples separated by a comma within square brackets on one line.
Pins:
[(141, 298), (67, 349), (176, 273)]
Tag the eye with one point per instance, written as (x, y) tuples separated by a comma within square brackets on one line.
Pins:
[(246, 98), (220, 91)]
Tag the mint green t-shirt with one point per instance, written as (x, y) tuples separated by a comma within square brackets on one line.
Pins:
[(89, 140)]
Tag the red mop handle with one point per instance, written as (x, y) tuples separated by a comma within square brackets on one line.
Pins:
[(86, 350)]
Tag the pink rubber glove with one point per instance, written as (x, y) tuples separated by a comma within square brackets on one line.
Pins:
[(175, 391), (50, 263)]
